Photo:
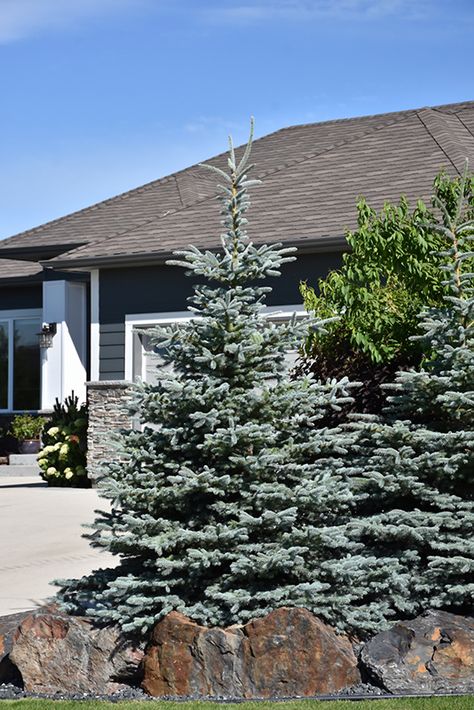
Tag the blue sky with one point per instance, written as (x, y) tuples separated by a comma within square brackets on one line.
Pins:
[(99, 96)]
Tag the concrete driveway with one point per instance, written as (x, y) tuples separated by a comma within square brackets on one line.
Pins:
[(40, 540)]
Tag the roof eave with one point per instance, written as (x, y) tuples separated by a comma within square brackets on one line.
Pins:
[(318, 245)]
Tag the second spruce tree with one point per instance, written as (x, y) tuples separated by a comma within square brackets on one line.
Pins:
[(414, 468)]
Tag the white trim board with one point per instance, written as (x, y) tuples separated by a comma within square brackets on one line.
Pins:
[(143, 320)]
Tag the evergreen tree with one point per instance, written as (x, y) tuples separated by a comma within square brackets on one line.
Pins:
[(417, 464), (223, 504)]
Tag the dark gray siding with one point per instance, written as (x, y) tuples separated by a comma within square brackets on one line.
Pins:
[(16, 297), (112, 351), (156, 289)]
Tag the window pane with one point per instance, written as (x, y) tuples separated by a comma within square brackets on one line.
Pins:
[(3, 365), (147, 360), (154, 365), (26, 365)]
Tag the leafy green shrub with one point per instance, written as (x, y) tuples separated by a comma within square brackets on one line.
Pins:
[(390, 274), (63, 457), (26, 426)]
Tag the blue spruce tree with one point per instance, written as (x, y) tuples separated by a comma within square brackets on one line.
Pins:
[(414, 468), (230, 499)]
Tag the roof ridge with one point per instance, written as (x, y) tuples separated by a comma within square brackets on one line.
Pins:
[(464, 104), (437, 124), (465, 126)]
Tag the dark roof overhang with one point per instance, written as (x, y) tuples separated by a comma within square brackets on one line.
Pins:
[(37, 252)]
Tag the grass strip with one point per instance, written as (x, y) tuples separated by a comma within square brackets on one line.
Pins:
[(441, 703)]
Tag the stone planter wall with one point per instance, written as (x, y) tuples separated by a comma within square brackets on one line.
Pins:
[(106, 400)]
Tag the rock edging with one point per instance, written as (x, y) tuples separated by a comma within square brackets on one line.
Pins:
[(289, 652), (433, 653), (56, 653)]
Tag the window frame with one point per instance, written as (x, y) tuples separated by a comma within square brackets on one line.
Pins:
[(10, 316), (136, 321)]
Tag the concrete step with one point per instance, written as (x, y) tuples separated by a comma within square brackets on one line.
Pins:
[(22, 459), (19, 471)]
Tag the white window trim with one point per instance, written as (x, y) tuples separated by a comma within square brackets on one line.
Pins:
[(147, 320), (10, 316)]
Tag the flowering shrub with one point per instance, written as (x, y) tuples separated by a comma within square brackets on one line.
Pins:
[(63, 457)]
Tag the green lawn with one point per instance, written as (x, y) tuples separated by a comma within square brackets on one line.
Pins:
[(456, 703)]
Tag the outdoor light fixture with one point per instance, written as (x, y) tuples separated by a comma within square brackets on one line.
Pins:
[(48, 331)]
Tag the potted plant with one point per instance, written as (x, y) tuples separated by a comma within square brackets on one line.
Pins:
[(27, 430)]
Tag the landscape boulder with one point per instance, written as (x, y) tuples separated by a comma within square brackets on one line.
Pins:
[(432, 653), (287, 653), (8, 626), (56, 653)]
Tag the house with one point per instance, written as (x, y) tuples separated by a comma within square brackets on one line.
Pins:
[(86, 281)]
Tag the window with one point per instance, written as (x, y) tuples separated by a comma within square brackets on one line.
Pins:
[(147, 361), (142, 358), (20, 364), (4, 329)]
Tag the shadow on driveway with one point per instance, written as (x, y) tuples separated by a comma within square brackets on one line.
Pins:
[(41, 530)]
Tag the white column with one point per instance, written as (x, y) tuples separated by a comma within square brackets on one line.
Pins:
[(63, 365), (95, 328)]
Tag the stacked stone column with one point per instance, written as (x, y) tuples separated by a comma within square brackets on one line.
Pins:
[(107, 415)]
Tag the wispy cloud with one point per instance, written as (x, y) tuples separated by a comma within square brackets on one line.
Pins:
[(23, 18), (202, 124), (248, 11)]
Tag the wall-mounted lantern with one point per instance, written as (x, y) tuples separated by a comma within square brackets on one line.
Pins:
[(48, 331)]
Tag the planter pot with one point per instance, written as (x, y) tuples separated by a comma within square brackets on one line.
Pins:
[(29, 446)]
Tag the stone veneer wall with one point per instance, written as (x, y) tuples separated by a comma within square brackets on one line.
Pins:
[(106, 400)]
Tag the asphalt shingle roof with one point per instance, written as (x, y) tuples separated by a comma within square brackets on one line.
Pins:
[(312, 176), (11, 269)]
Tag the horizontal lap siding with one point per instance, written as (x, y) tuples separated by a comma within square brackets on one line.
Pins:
[(112, 351), (164, 288), (148, 289)]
